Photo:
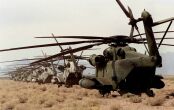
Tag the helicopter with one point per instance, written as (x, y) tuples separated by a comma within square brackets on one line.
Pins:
[(69, 74), (28, 73), (121, 68), (20, 71)]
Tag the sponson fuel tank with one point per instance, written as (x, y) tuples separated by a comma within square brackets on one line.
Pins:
[(87, 83)]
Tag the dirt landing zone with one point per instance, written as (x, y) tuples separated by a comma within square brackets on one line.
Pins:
[(31, 96)]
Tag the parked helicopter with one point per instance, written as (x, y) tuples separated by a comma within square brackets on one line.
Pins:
[(69, 73), (121, 68), (20, 70)]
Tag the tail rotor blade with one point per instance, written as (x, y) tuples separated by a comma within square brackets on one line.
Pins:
[(132, 31), (130, 13), (123, 8)]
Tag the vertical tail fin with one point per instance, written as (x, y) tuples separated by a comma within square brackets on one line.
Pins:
[(153, 50)]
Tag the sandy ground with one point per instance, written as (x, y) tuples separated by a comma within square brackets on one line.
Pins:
[(31, 96)]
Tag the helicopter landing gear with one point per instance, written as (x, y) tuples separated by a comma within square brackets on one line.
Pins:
[(105, 92), (59, 85), (122, 92), (68, 85), (150, 93)]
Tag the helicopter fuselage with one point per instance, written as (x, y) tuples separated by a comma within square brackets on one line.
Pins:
[(123, 68)]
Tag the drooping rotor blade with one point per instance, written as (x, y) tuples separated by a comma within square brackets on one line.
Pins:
[(75, 56), (123, 8), (47, 45), (163, 21), (144, 39), (18, 65), (165, 34), (158, 32), (60, 49), (67, 52), (75, 37), (164, 38), (20, 60), (157, 43), (68, 57), (166, 44), (93, 41), (117, 38)]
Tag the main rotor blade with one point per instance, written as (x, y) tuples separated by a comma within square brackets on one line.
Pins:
[(67, 52), (167, 44), (48, 45), (102, 39), (164, 34), (76, 57), (144, 39), (153, 32), (163, 21), (164, 38), (20, 60), (156, 43), (123, 8), (18, 65), (75, 37)]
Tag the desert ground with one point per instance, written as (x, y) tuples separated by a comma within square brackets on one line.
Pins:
[(32, 96)]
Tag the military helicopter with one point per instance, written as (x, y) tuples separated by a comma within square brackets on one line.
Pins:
[(121, 68), (21, 74), (25, 72), (69, 74)]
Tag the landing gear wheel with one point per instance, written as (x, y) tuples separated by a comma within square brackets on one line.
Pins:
[(68, 85), (150, 93), (122, 92), (103, 92), (59, 85)]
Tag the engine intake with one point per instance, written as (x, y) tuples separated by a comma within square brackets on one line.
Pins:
[(97, 60)]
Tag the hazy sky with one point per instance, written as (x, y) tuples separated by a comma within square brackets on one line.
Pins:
[(22, 20)]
